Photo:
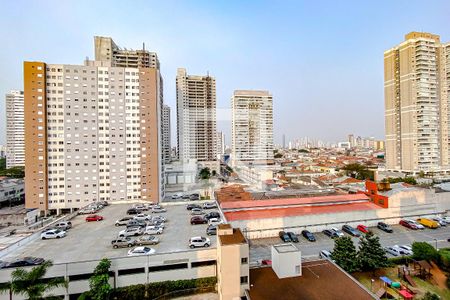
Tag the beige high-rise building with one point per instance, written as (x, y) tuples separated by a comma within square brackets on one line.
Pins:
[(92, 132), (15, 136), (166, 133), (251, 127), (416, 87), (196, 117)]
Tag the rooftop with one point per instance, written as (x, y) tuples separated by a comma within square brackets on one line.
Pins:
[(232, 239), (320, 280), (284, 248)]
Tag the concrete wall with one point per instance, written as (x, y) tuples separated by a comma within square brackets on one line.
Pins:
[(138, 265)]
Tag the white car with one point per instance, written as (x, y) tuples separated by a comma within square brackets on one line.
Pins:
[(124, 221), (87, 211), (161, 225), (325, 254), (394, 250), (338, 232), (53, 234), (153, 230), (131, 231), (199, 241), (406, 249), (139, 207), (214, 221), (159, 209), (177, 196), (446, 219), (141, 251), (209, 205), (196, 212), (159, 219), (142, 217), (441, 221)]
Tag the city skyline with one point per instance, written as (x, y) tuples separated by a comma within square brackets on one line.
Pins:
[(233, 49)]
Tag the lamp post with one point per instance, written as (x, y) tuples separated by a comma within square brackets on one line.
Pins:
[(435, 240), (371, 284)]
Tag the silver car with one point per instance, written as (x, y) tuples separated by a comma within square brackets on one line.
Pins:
[(147, 240), (132, 231)]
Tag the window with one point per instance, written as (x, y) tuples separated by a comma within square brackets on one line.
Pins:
[(168, 267), (203, 263), (297, 269), (244, 279), (244, 260)]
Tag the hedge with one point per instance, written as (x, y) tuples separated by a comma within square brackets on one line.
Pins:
[(157, 289), (401, 260)]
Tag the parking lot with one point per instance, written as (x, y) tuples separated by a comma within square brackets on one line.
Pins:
[(260, 248), (92, 240)]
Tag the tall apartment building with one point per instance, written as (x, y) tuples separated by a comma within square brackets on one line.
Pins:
[(15, 136), (251, 126), (107, 50), (92, 132), (220, 144), (416, 86), (166, 133), (196, 117)]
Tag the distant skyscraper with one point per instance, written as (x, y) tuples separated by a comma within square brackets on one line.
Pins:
[(417, 85), (196, 117), (106, 50), (220, 144), (252, 126), (166, 133), (284, 141), (92, 133), (15, 137)]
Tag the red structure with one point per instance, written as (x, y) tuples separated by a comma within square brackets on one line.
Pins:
[(372, 191)]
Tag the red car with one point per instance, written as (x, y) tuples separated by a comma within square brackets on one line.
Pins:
[(198, 220), (363, 228), (408, 224), (93, 218)]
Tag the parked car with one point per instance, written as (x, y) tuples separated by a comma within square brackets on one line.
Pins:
[(198, 220), (122, 242), (214, 221), (194, 197), (284, 237), (363, 228), (136, 223), (142, 217), (161, 225), (308, 235), (123, 222), (385, 227), (23, 262), (159, 219), (199, 241), (407, 249), (86, 211), (350, 230), (325, 254), (157, 210), (338, 232), (196, 211), (212, 214), (185, 196), (131, 231), (94, 218), (418, 225), (177, 196), (153, 230), (142, 250), (446, 219), (133, 211), (292, 236), (440, 221), (330, 233), (428, 223), (395, 251), (53, 234), (140, 207), (209, 205), (104, 203), (65, 225), (147, 240), (211, 230), (192, 206), (408, 224)]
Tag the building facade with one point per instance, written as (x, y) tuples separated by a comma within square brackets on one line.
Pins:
[(92, 132), (251, 126), (15, 136), (416, 85), (220, 145), (196, 117), (166, 133)]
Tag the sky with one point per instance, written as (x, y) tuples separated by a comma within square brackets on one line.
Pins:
[(321, 60)]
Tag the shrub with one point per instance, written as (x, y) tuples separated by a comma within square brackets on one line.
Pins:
[(444, 259), (402, 260), (424, 251)]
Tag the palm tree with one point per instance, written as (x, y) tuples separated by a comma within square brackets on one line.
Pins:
[(32, 284)]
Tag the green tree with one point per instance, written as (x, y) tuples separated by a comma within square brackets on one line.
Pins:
[(424, 251), (31, 284), (2, 164), (371, 255), (278, 155), (205, 173), (100, 289), (303, 151), (344, 254), (15, 172), (358, 171), (430, 296)]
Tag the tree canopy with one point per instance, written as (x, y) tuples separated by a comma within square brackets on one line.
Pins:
[(205, 173), (358, 171), (344, 254), (424, 251), (371, 255)]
